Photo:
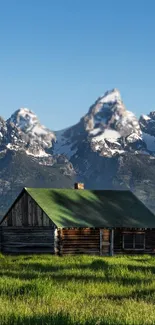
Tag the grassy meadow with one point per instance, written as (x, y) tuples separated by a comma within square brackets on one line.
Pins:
[(69, 290)]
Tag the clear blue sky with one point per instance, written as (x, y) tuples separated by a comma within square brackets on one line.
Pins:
[(58, 56)]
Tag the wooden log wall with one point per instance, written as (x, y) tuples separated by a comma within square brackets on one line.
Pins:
[(105, 242), (27, 240), (26, 212), (149, 241), (83, 241), (118, 241)]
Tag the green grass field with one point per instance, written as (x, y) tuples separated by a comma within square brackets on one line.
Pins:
[(77, 290)]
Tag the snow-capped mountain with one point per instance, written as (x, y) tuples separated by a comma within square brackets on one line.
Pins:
[(109, 112), (37, 137), (108, 128), (108, 148)]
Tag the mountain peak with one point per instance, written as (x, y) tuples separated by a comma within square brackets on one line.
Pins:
[(109, 114), (110, 96), (24, 110), (39, 137), (24, 119)]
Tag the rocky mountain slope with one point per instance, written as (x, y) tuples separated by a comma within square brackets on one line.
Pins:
[(108, 148), (25, 160), (111, 148), (108, 128)]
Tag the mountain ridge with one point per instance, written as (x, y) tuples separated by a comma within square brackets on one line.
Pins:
[(108, 148)]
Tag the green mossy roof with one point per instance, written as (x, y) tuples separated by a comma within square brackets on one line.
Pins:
[(85, 208)]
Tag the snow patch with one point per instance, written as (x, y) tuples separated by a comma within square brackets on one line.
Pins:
[(111, 96), (133, 137), (95, 131), (111, 135), (39, 130), (145, 117), (115, 151), (63, 146), (97, 147), (12, 147), (128, 118), (9, 146), (40, 153)]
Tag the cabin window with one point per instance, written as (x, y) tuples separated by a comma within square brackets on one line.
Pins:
[(133, 241)]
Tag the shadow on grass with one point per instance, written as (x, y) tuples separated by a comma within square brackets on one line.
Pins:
[(147, 295), (30, 271), (92, 278), (39, 267), (22, 290), (58, 319), (53, 273), (140, 260), (18, 275), (96, 265), (141, 268)]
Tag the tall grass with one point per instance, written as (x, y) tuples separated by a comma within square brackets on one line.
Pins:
[(77, 290)]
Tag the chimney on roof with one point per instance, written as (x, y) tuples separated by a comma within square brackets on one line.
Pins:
[(79, 186)]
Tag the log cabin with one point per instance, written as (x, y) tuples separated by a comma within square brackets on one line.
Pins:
[(77, 221)]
